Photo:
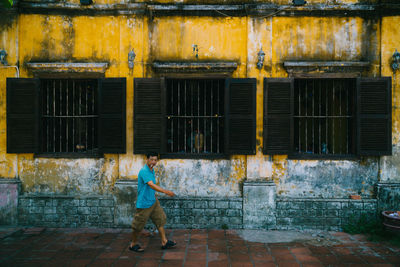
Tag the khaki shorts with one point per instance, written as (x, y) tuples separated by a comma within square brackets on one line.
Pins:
[(155, 213)]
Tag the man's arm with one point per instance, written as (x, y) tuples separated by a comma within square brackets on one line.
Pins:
[(160, 189)]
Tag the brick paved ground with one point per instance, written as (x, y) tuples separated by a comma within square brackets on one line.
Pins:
[(108, 247)]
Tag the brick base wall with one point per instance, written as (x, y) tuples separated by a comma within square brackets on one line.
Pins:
[(327, 214), (66, 211), (99, 211), (200, 213)]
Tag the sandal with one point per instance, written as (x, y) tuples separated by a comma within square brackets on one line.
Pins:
[(169, 244), (136, 248)]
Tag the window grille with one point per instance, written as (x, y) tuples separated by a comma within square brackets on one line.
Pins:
[(69, 115), (324, 116), (195, 116)]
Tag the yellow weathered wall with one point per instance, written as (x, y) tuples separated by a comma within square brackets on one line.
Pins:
[(310, 39), (280, 2), (56, 38), (390, 42), (8, 41), (217, 39)]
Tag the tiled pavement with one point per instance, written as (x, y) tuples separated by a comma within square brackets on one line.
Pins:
[(108, 247)]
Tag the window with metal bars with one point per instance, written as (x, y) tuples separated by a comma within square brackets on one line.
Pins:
[(69, 116), (195, 116), (324, 116), (311, 118), (65, 117)]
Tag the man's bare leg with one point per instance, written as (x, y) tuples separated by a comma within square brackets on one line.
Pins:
[(165, 243), (135, 235), (164, 239)]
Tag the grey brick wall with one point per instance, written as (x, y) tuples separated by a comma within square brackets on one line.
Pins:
[(201, 213), (327, 214), (66, 211), (196, 212), (98, 211)]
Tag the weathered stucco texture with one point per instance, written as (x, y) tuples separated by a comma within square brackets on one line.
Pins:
[(8, 162), (308, 39), (83, 39), (390, 42), (217, 178), (320, 39), (329, 179), (68, 176), (8, 41), (172, 38), (109, 39)]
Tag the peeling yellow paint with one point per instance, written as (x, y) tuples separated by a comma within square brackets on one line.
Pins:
[(280, 2), (8, 162), (279, 168), (390, 42), (56, 38)]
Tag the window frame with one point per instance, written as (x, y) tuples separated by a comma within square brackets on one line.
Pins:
[(279, 141), (180, 155), (73, 155), (77, 154), (110, 115), (148, 138), (353, 156)]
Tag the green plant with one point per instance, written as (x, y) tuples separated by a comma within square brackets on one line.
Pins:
[(224, 226), (372, 227), (363, 225), (7, 3)]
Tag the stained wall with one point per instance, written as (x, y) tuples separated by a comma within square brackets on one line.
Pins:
[(109, 38)]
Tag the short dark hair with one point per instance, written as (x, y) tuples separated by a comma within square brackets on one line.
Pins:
[(152, 154)]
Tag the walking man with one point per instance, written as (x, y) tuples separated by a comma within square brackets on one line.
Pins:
[(148, 206)]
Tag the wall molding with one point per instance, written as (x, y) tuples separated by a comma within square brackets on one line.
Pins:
[(60, 67), (195, 67), (218, 10), (326, 69)]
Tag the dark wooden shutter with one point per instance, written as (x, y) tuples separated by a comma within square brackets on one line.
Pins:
[(240, 114), (374, 118), (112, 115), (22, 115), (278, 108), (147, 115)]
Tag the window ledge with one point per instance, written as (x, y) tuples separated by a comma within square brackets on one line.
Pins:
[(69, 155), (59, 67), (321, 157), (331, 69), (195, 67), (193, 156)]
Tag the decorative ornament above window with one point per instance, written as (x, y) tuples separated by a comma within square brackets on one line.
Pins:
[(325, 68), (195, 67), (60, 67), (396, 60)]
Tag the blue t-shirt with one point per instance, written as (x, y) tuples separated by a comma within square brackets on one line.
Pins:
[(146, 195)]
